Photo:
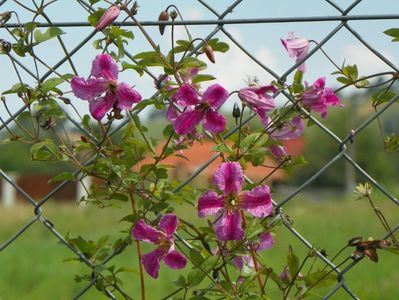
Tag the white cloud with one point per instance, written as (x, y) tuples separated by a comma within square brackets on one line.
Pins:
[(366, 61)]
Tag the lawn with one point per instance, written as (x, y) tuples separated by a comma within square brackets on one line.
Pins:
[(32, 267)]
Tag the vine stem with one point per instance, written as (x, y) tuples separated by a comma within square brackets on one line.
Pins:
[(142, 283)]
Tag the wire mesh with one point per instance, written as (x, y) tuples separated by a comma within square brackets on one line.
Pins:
[(343, 20)]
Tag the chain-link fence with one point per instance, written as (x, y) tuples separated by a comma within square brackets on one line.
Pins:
[(41, 69)]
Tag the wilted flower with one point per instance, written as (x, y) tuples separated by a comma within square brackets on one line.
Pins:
[(297, 48), (228, 206), (108, 17), (317, 97), (258, 99), (163, 238), (279, 152), (266, 242), (104, 76), (286, 131), (198, 109)]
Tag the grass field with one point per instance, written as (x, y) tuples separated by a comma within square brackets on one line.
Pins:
[(33, 268)]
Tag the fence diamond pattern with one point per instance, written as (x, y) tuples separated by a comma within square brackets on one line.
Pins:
[(343, 20)]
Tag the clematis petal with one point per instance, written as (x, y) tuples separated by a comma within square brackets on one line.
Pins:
[(215, 95), (89, 89), (126, 96), (168, 223), (151, 262), (186, 95), (290, 130), (214, 122), (144, 232), (297, 48), (228, 226), (104, 65), (186, 122), (257, 202), (171, 113), (175, 260), (209, 203), (229, 177), (279, 152), (266, 241), (100, 106)]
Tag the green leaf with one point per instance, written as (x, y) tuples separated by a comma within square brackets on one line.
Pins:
[(202, 77), (320, 278), (51, 83), (94, 17), (292, 262), (196, 257), (47, 35), (218, 46), (138, 68), (61, 177), (253, 141), (17, 88), (192, 62), (382, 96), (393, 32), (195, 277)]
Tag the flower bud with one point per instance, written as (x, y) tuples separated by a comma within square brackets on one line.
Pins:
[(209, 53), (236, 111), (4, 17), (163, 16), (108, 17), (5, 47), (173, 15)]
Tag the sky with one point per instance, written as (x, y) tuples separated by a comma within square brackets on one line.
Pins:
[(232, 68)]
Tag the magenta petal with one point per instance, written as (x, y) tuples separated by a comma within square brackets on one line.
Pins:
[(186, 95), (209, 203), (171, 113), (238, 261), (144, 232), (151, 262), (266, 241), (104, 66), (229, 177), (89, 89), (215, 95), (257, 202), (228, 227), (214, 122), (126, 96), (168, 223), (175, 260), (186, 122), (100, 106)]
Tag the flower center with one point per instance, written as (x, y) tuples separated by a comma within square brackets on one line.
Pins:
[(203, 106), (232, 202), (113, 86)]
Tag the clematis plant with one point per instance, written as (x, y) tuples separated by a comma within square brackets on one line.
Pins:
[(230, 204), (198, 109), (163, 238), (102, 89)]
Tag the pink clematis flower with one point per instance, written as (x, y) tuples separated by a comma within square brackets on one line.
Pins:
[(297, 48), (317, 97), (163, 238), (198, 109), (108, 17), (287, 131), (104, 76), (229, 205), (266, 242), (258, 99)]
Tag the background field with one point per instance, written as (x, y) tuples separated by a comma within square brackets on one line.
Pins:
[(33, 268)]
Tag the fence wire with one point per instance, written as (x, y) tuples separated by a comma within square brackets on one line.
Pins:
[(343, 21)]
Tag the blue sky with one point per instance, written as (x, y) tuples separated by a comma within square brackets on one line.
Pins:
[(232, 68)]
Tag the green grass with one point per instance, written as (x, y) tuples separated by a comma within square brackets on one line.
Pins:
[(32, 267)]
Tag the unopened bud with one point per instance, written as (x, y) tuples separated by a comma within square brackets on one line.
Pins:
[(173, 15), (84, 139), (65, 100), (236, 111), (4, 17), (108, 17), (209, 53), (5, 47), (163, 16), (135, 8)]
